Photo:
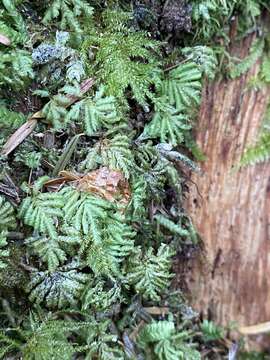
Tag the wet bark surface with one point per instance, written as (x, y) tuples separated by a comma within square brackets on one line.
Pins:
[(230, 280)]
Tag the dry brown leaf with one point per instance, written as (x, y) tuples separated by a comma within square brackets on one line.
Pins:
[(110, 184), (107, 183), (65, 176), (20, 134), (4, 40)]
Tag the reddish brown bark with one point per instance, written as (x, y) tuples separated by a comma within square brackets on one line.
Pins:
[(232, 282)]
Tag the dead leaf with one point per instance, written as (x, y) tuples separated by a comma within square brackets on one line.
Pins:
[(110, 184), (25, 130), (8, 187), (4, 40), (107, 183), (65, 176), (18, 137)]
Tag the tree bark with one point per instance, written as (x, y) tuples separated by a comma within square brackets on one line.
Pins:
[(231, 208)]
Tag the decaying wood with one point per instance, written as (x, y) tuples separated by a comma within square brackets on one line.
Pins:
[(230, 281)]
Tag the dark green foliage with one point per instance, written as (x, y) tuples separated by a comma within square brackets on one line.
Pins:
[(48, 249), (12, 23), (44, 339), (244, 65), (167, 124), (204, 57), (15, 62), (57, 289), (93, 210), (119, 237), (30, 159), (213, 16), (85, 212), (68, 12), (10, 120), (40, 212), (116, 154), (139, 197), (96, 113), (171, 226), (102, 343), (253, 355), (55, 111), (118, 49), (15, 67), (4, 252), (100, 297), (87, 221), (7, 345), (182, 87), (104, 257), (210, 17), (179, 93), (211, 331), (265, 70), (7, 216), (167, 343), (260, 152), (149, 273)]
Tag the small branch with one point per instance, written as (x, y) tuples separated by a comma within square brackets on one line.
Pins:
[(175, 65), (27, 267), (14, 235)]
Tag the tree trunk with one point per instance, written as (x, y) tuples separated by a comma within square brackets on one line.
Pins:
[(231, 208)]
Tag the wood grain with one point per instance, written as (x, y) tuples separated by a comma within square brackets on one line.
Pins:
[(231, 280)]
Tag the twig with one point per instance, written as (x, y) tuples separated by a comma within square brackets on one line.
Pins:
[(27, 267), (15, 235), (175, 65), (137, 329)]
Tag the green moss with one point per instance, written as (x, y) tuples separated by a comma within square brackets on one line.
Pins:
[(88, 255)]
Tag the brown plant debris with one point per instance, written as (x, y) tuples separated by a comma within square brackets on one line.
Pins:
[(107, 183), (26, 129)]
